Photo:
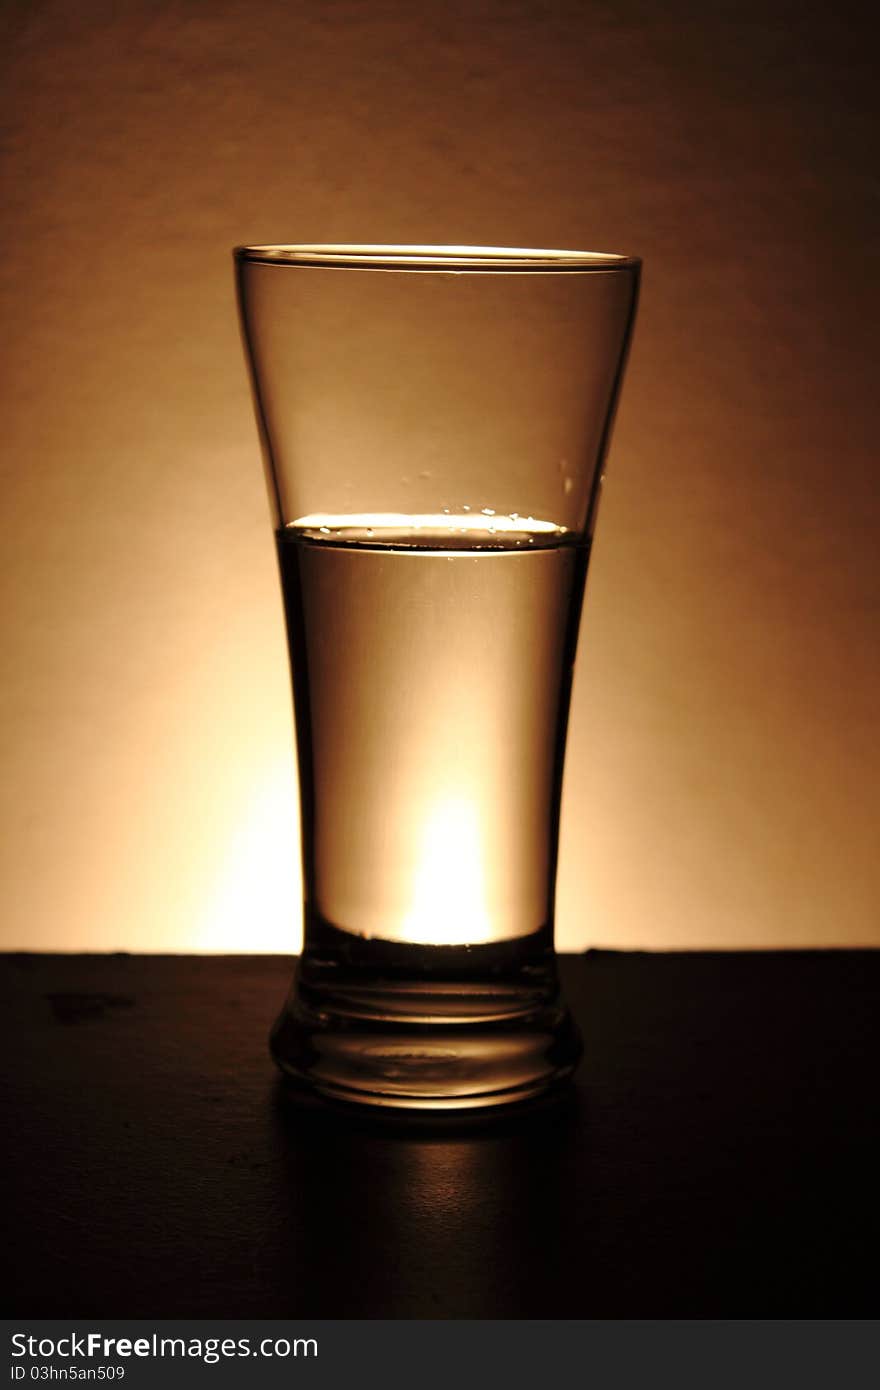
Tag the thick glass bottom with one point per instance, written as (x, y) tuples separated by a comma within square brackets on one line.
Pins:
[(425, 1066), (426, 1028)]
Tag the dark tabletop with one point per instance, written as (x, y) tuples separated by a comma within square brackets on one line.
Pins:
[(718, 1155)]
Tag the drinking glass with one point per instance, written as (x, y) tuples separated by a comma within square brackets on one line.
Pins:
[(434, 423)]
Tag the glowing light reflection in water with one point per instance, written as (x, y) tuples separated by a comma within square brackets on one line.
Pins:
[(449, 892)]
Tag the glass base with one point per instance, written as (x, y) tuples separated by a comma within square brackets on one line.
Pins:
[(426, 1067), (441, 1065), (429, 1028)]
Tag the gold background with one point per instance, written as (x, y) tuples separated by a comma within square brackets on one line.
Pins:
[(722, 778)]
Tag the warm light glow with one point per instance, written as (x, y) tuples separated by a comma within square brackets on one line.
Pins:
[(255, 895), (449, 891)]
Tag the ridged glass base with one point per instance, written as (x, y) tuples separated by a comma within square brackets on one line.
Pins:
[(426, 1066), (430, 1028)]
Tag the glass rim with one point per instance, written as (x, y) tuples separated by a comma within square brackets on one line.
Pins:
[(436, 258)]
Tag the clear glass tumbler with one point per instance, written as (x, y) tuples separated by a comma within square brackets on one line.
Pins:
[(434, 423)]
